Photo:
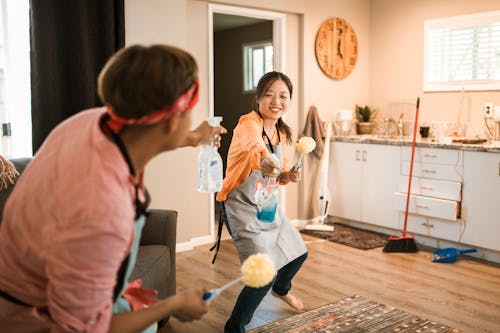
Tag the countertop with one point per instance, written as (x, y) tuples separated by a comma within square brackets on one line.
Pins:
[(489, 146)]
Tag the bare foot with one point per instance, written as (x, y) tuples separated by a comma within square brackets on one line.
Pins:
[(291, 300)]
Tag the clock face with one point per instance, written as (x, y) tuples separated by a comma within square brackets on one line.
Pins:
[(336, 48)]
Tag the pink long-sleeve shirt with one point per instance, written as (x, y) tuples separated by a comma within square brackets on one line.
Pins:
[(66, 229)]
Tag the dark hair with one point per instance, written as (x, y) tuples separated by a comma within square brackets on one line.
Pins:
[(264, 83), (138, 80)]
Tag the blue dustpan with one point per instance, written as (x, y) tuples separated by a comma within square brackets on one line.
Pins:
[(449, 254)]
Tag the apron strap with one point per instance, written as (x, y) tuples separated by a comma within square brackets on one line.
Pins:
[(264, 134), (12, 299), (216, 245), (140, 207)]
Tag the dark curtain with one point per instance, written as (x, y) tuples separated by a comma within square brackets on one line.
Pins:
[(70, 43)]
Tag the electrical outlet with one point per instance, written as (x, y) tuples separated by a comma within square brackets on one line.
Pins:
[(488, 110)]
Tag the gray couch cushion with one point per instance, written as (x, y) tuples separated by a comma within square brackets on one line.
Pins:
[(153, 267)]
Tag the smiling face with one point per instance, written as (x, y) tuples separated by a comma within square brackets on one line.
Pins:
[(274, 101)]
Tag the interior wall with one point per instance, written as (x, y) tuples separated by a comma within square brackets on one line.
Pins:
[(171, 177), (396, 61), (230, 100), (294, 115)]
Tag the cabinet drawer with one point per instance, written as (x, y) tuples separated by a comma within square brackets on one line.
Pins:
[(427, 206), (436, 156), (449, 230), (433, 171), (432, 188)]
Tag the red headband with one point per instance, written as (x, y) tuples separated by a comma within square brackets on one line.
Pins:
[(184, 103)]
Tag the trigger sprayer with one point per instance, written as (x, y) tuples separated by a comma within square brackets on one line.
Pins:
[(210, 164)]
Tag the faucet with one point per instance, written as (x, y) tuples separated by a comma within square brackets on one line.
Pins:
[(400, 125)]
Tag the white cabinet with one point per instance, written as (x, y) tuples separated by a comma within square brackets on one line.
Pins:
[(481, 199), (454, 196), (435, 194), (428, 206), (345, 170), (363, 179)]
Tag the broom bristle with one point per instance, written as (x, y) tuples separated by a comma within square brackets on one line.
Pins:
[(401, 244)]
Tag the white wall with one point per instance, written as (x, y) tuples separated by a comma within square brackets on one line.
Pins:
[(396, 60), (171, 177)]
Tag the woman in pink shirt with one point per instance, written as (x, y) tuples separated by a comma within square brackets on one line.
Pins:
[(77, 211)]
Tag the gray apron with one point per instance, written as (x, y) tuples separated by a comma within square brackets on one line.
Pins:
[(121, 304), (278, 239)]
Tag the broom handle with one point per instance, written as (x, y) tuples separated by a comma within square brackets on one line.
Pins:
[(413, 144)]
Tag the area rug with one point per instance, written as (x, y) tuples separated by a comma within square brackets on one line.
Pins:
[(355, 314), (350, 236)]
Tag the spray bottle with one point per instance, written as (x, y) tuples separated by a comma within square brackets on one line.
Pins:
[(210, 164), (266, 195)]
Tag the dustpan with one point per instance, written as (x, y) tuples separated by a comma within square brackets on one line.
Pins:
[(449, 254)]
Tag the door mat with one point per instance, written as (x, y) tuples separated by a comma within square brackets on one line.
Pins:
[(354, 314), (350, 236)]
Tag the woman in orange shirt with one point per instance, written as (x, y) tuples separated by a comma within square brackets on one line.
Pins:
[(259, 134)]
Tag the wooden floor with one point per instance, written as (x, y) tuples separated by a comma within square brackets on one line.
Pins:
[(464, 295)]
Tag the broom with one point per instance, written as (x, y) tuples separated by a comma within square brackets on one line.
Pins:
[(406, 243)]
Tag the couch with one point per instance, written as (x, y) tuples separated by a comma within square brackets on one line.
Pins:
[(156, 256)]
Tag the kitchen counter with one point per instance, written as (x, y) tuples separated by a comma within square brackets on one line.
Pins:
[(489, 147)]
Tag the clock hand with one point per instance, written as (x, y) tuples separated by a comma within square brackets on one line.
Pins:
[(339, 52)]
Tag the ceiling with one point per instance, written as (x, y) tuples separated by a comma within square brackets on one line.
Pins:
[(225, 22)]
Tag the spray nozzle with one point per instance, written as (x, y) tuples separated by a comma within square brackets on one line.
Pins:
[(214, 121)]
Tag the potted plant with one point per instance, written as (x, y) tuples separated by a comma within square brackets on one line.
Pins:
[(365, 115)]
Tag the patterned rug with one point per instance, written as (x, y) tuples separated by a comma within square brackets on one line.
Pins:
[(355, 314), (350, 236)]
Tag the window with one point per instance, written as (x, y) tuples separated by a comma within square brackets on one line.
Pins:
[(15, 91), (462, 52), (257, 60)]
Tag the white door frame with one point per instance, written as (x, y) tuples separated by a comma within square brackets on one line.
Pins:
[(279, 34)]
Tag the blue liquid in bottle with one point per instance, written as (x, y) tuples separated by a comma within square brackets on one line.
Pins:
[(267, 213)]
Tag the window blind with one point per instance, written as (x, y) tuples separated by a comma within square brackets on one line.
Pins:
[(466, 52)]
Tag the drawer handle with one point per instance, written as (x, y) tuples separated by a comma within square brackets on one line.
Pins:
[(430, 155), (363, 156), (357, 155), (429, 171), (428, 225), (426, 188), (422, 206)]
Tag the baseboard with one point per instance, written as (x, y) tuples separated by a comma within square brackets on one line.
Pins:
[(194, 242), (488, 255), (303, 223)]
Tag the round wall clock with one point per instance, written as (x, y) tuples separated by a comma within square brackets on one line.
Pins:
[(336, 48)]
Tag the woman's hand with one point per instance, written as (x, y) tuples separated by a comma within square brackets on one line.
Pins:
[(204, 133), (185, 306), (291, 175), (269, 167), (190, 305)]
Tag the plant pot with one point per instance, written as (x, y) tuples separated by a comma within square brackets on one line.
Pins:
[(365, 127)]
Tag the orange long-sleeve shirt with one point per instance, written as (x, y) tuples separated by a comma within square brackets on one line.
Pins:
[(245, 152)]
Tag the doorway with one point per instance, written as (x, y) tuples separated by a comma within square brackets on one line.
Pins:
[(230, 29)]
